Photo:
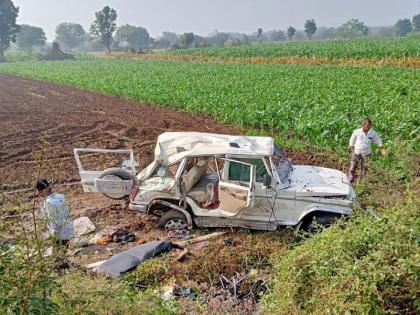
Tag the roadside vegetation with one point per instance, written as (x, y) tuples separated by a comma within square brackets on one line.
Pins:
[(370, 267)]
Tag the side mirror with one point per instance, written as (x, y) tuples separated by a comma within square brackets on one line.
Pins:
[(267, 180)]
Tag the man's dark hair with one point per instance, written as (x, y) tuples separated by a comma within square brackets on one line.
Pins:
[(42, 184), (367, 120)]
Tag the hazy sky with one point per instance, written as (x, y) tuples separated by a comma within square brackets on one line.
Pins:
[(205, 16)]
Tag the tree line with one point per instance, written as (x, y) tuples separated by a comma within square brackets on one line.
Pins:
[(104, 34)]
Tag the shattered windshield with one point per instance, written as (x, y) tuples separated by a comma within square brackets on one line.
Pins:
[(282, 164)]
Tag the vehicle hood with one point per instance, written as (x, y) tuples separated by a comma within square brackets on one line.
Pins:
[(318, 181)]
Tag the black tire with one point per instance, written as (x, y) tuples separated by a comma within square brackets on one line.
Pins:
[(112, 173), (321, 221), (173, 220)]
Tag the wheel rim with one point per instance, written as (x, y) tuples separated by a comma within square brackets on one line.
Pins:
[(176, 224)]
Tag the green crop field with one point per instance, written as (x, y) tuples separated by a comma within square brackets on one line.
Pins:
[(320, 105), (16, 56), (358, 48)]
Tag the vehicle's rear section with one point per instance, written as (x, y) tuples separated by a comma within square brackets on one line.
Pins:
[(115, 180)]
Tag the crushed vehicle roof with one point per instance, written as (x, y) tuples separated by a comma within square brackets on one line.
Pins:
[(173, 146)]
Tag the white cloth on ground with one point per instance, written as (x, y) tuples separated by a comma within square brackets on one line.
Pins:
[(55, 211)]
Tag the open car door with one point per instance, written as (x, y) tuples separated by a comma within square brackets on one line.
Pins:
[(235, 195), (112, 185)]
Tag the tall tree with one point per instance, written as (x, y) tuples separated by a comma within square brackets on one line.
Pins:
[(326, 33), (8, 26), (135, 37), (170, 37), (352, 28), (104, 26), (416, 22), (259, 34), (291, 31), (385, 31), (310, 28), (402, 27), (186, 40), (69, 35), (276, 36), (30, 36), (218, 39)]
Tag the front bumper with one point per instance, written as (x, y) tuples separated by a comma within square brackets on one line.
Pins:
[(352, 195)]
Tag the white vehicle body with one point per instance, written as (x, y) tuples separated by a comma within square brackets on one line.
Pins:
[(227, 181)]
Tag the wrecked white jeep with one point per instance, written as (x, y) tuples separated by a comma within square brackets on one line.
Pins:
[(213, 180)]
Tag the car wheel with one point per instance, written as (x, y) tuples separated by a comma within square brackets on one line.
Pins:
[(319, 222), (173, 220), (115, 174)]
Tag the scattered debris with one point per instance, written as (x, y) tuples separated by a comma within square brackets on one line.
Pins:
[(200, 245), (103, 237), (78, 242), (184, 292), (201, 238), (229, 242), (180, 234), (182, 255), (167, 292), (95, 264), (236, 289), (123, 237), (104, 240), (82, 226), (75, 251), (131, 258), (48, 252), (373, 212)]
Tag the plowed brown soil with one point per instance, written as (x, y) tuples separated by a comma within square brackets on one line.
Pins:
[(72, 118)]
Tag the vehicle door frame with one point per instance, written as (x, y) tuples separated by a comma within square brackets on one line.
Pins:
[(224, 181)]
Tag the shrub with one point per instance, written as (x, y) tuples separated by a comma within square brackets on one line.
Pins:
[(371, 267)]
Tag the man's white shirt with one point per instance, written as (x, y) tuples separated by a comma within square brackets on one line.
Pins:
[(362, 141)]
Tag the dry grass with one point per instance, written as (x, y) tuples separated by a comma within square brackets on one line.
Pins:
[(405, 62)]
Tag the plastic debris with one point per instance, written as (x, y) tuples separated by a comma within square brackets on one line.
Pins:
[(123, 237), (78, 242), (180, 234), (167, 292), (103, 237), (229, 242), (184, 292), (82, 226)]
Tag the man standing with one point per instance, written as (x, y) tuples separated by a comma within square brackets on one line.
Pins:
[(360, 144), (55, 211)]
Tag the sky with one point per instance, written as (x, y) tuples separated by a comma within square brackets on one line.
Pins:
[(206, 16)]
